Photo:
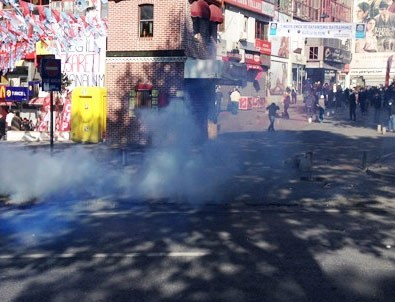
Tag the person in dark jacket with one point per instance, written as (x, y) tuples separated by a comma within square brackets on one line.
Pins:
[(352, 101), (391, 112), (2, 126), (272, 108)]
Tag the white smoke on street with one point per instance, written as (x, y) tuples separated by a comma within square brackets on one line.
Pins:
[(173, 167)]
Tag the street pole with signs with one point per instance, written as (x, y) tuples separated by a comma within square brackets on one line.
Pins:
[(51, 77)]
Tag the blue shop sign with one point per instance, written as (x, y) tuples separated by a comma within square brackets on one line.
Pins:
[(16, 94)]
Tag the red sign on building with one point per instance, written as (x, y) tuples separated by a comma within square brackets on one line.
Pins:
[(263, 46)]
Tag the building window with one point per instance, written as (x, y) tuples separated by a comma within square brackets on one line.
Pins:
[(313, 53), (144, 99), (261, 29), (146, 20)]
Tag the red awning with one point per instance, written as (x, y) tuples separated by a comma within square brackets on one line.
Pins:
[(200, 9), (4, 103), (144, 87), (40, 101), (255, 67), (216, 14)]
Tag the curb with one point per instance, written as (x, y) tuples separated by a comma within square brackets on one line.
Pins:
[(380, 175)]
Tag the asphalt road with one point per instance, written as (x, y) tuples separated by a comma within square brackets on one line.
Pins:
[(233, 220), (165, 252)]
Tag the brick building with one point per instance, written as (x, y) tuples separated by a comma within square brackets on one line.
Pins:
[(159, 51)]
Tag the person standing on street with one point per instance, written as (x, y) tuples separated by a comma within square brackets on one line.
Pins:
[(287, 103), (391, 113), (353, 100), (2, 127), (272, 108), (235, 99), (320, 109), (8, 119), (376, 100)]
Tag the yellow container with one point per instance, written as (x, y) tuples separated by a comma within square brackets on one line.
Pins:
[(88, 114)]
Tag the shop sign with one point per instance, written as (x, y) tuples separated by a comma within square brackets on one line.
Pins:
[(258, 6), (336, 55), (2, 92), (233, 56), (17, 94), (252, 58), (263, 46)]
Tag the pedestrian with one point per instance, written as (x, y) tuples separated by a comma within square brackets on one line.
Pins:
[(352, 102), (391, 113), (320, 109), (272, 108), (234, 99), (8, 119), (309, 102), (293, 93), (2, 126), (16, 123), (287, 103), (376, 100)]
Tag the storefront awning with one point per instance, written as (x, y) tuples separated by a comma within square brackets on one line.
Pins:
[(254, 67), (4, 103), (216, 14), (200, 9), (39, 101)]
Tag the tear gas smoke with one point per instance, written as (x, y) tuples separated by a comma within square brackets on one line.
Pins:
[(173, 167)]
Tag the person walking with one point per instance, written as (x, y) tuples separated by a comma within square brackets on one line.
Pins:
[(320, 109), (272, 109), (391, 113), (352, 101), (309, 102), (376, 100), (8, 119), (2, 127), (287, 103), (235, 99)]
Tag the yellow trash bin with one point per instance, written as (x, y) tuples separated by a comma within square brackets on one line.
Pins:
[(88, 114)]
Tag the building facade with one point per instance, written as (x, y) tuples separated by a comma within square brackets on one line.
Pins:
[(328, 59), (159, 52)]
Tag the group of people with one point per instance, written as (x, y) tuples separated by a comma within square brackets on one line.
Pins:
[(13, 121), (381, 99)]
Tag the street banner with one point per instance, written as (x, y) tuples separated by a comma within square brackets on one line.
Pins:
[(315, 30)]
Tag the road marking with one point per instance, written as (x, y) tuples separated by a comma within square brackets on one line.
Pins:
[(195, 254)]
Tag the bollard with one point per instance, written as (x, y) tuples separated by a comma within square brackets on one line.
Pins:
[(364, 159), (379, 128), (124, 157), (384, 130)]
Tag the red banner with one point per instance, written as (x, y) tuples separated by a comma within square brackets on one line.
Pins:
[(65, 116)]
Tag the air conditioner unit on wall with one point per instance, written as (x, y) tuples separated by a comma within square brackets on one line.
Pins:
[(243, 36), (235, 45)]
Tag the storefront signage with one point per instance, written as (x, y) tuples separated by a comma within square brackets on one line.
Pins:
[(233, 56), (2, 92), (258, 6), (263, 46), (336, 55), (252, 58), (16, 94), (312, 29)]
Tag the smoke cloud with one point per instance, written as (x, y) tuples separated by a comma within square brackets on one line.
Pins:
[(174, 167)]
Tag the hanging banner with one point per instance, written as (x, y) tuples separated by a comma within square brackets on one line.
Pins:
[(314, 30)]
